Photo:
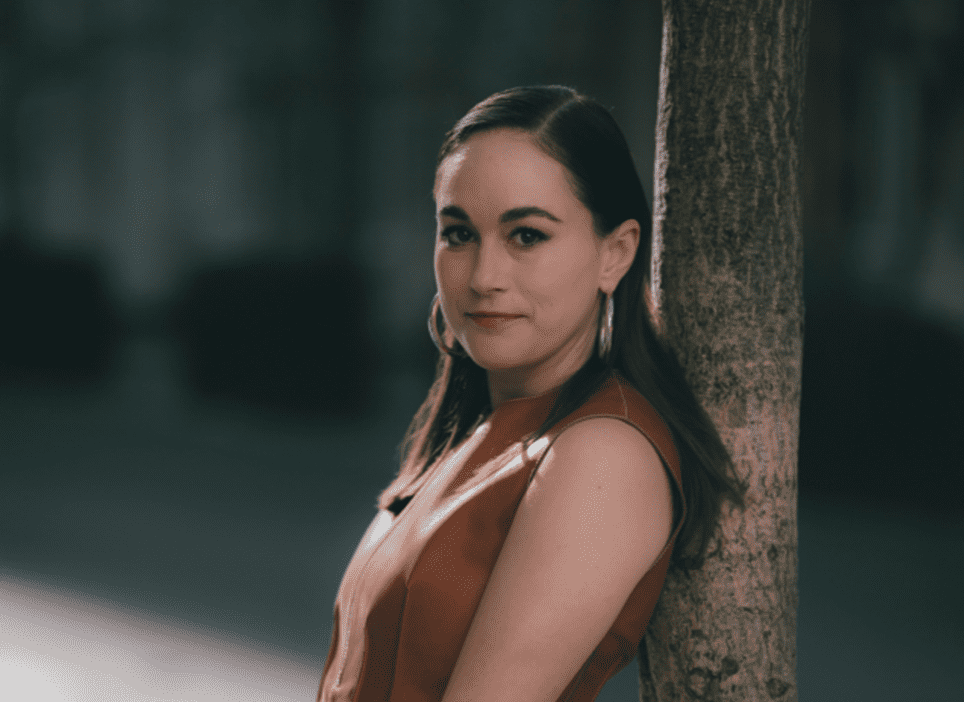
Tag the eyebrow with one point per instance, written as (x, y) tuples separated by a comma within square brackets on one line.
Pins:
[(516, 213)]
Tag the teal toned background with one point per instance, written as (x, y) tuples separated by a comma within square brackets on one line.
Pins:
[(215, 258)]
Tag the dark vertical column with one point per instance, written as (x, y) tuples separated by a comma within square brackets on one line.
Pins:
[(13, 80), (349, 92), (728, 281)]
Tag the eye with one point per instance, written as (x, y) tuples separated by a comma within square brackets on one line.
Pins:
[(529, 237), (456, 235)]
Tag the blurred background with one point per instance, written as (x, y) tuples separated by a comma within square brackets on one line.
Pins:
[(216, 232)]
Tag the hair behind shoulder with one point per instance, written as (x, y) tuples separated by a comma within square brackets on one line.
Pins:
[(582, 135)]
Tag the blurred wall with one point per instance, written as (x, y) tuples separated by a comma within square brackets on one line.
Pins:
[(883, 210), (251, 181), (163, 142), (216, 234)]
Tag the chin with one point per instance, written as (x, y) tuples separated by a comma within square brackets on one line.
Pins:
[(498, 365), (497, 359)]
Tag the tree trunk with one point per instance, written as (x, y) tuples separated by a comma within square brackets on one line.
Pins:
[(727, 280)]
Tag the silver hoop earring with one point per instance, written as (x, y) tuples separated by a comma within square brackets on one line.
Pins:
[(434, 333), (606, 331)]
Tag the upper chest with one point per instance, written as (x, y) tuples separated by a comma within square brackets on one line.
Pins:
[(466, 498)]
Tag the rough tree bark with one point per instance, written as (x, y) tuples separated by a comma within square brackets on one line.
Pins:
[(728, 286)]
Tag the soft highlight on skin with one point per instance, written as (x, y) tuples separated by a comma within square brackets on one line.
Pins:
[(499, 194), (581, 135)]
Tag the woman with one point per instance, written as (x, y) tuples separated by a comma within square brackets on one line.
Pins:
[(559, 462)]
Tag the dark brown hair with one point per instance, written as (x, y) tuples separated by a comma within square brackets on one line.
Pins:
[(581, 134)]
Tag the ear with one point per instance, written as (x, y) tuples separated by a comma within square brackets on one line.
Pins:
[(618, 253)]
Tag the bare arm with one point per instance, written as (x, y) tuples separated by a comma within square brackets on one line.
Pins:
[(593, 521)]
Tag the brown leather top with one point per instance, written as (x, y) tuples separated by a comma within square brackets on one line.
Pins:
[(410, 591)]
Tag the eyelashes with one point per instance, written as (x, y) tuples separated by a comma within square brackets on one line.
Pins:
[(457, 235), (450, 235)]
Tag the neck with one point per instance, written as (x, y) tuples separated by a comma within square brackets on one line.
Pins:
[(541, 377)]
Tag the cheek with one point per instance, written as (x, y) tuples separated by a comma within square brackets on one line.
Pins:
[(563, 280), (451, 271)]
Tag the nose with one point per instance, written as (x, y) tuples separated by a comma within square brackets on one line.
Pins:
[(491, 266)]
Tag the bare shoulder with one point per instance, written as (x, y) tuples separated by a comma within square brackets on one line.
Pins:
[(608, 475), (590, 525), (609, 437), (611, 452)]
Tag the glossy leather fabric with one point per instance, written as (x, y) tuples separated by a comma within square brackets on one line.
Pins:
[(412, 587)]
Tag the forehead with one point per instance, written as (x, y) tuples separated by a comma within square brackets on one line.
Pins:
[(502, 166)]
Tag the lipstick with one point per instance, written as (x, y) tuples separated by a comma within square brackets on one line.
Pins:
[(494, 322)]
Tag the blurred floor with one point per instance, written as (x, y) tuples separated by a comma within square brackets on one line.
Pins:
[(57, 646), (155, 546)]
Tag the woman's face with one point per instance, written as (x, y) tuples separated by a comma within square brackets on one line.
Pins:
[(513, 239)]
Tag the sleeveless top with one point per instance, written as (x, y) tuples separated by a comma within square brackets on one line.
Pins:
[(408, 596)]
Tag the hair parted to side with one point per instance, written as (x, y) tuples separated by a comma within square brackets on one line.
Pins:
[(581, 135)]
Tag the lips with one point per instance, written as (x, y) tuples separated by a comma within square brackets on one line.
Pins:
[(494, 315), (493, 321)]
